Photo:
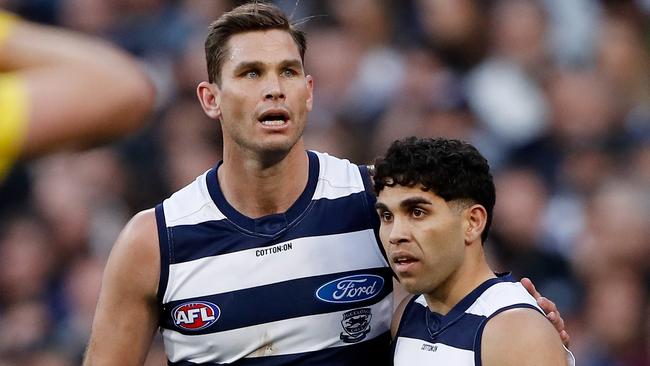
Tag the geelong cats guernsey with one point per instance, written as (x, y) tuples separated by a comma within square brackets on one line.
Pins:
[(310, 286), (427, 338)]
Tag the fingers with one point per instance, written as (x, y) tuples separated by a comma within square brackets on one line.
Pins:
[(566, 338), (557, 321), (530, 287), (549, 308), (552, 314), (547, 305)]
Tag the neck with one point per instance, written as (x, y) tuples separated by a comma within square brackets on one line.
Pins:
[(472, 272), (259, 186)]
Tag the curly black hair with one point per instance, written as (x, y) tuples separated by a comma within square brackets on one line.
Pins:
[(452, 169)]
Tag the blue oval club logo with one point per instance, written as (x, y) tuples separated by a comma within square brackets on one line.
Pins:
[(351, 288), (195, 315)]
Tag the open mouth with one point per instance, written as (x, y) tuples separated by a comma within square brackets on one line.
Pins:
[(274, 118), (403, 262)]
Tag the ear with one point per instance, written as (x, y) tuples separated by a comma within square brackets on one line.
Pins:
[(475, 220), (210, 98), (310, 92)]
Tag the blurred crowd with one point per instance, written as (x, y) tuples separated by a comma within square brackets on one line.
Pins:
[(556, 93)]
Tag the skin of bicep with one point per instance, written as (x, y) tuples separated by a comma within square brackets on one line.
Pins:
[(126, 316), (521, 337)]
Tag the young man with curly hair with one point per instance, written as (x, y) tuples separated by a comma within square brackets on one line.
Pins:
[(434, 200)]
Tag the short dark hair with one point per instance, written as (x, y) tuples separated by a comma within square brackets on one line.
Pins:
[(254, 16), (452, 169)]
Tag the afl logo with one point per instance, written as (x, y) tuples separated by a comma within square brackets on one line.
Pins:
[(351, 289), (195, 315)]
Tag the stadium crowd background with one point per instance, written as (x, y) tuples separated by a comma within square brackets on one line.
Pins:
[(555, 93)]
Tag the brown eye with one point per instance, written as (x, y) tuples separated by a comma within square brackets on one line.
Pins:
[(418, 213), (386, 216)]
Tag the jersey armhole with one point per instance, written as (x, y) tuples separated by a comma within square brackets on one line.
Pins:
[(366, 175), (164, 244), (479, 332), (407, 308), (369, 202)]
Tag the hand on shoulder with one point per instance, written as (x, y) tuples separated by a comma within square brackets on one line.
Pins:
[(521, 336)]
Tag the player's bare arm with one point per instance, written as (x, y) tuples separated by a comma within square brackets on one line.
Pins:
[(79, 90), (126, 316), (521, 337)]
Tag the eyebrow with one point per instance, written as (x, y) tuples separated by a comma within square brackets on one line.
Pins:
[(380, 206), (245, 65), (409, 202), (291, 63), (413, 201)]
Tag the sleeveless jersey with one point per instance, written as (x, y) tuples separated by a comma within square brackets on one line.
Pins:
[(427, 338), (310, 286)]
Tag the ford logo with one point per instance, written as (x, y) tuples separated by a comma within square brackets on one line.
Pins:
[(351, 288)]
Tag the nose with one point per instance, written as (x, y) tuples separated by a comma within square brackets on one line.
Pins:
[(398, 233), (273, 89)]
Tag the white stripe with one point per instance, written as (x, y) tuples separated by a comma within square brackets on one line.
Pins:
[(415, 352), (338, 178), (191, 205), (297, 335), (422, 301), (501, 295), (310, 256)]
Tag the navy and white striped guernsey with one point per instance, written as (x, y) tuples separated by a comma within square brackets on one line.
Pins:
[(427, 338), (310, 286)]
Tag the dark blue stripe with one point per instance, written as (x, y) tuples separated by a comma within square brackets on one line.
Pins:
[(367, 179), (323, 217), (163, 244), (374, 352), (406, 321), (370, 201), (271, 224), (479, 332), (408, 309), (279, 301), (461, 335)]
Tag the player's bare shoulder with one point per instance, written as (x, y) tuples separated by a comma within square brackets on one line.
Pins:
[(142, 230), (126, 315), (521, 336), (136, 252)]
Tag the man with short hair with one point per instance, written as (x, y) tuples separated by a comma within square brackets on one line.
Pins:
[(270, 257), (435, 199)]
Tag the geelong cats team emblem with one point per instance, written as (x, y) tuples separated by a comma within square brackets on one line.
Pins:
[(356, 324)]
